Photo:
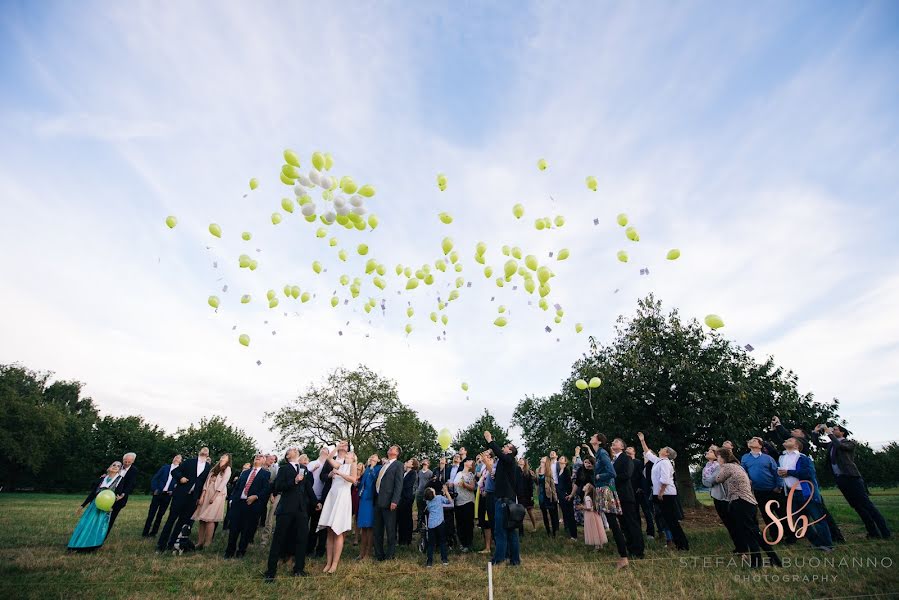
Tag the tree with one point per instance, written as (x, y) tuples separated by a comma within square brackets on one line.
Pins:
[(216, 434), (351, 405), (415, 436), (114, 436), (472, 437), (29, 426), (546, 426), (682, 386)]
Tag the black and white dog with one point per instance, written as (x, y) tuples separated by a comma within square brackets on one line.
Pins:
[(183, 543)]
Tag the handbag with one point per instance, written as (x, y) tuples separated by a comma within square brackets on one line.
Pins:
[(514, 515)]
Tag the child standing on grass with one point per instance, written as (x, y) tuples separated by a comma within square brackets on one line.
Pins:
[(594, 532), (436, 534)]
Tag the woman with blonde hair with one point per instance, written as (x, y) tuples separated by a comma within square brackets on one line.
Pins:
[(547, 497), (337, 513), (211, 507)]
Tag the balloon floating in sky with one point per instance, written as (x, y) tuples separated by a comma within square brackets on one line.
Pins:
[(213, 301), (254, 183), (171, 221), (245, 299), (632, 234), (501, 321), (446, 245), (541, 164), (580, 384), (244, 339), (367, 191), (622, 256), (408, 328), (673, 254), (215, 230), (563, 254), (518, 211), (444, 438), (595, 382), (246, 236), (714, 321), (464, 387), (276, 218), (362, 249), (621, 219), (445, 218), (591, 182), (578, 327), (318, 161), (441, 181), (291, 158)]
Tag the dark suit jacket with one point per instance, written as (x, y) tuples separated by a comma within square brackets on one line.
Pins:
[(129, 481), (182, 491), (391, 485), (843, 451), (159, 479), (624, 471), (326, 481), (637, 477), (259, 488), (409, 481), (295, 497)]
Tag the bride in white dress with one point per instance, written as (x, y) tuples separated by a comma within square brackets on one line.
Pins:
[(337, 512)]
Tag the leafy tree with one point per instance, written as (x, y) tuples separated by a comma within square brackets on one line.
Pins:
[(472, 437), (546, 426), (216, 434), (29, 426), (351, 405), (114, 436), (682, 386), (416, 437)]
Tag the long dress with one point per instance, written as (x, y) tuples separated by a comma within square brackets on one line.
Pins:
[(594, 532), (366, 516), (90, 532), (337, 513), (211, 508)]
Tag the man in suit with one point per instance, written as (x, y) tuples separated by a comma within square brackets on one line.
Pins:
[(161, 488), (297, 501), (407, 498), (638, 483), (630, 511), (247, 503), (388, 489), (188, 478), (841, 460), (128, 473), (319, 469)]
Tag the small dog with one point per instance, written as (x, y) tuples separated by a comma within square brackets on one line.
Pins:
[(183, 543)]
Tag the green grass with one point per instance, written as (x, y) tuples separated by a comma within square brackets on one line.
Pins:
[(34, 530)]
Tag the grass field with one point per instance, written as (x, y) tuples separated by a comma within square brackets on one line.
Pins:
[(34, 529)]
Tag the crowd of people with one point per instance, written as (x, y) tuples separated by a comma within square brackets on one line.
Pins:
[(305, 507)]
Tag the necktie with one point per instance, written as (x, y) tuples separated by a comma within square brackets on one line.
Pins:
[(380, 477), (246, 488)]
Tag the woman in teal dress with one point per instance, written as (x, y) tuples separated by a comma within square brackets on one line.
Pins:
[(90, 532), (365, 518)]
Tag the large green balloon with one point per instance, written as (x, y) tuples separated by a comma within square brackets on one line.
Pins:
[(580, 384), (444, 438), (362, 249), (285, 179), (348, 185), (481, 248), (559, 220), (290, 171), (714, 321), (543, 274), (215, 230), (372, 221), (171, 221), (531, 262), (510, 268), (104, 500), (412, 284), (595, 382)]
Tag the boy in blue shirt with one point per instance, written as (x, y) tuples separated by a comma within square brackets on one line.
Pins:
[(436, 535)]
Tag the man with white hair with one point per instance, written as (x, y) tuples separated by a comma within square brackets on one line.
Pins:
[(128, 473)]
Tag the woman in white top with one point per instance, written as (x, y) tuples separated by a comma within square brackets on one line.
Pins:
[(337, 512), (664, 490)]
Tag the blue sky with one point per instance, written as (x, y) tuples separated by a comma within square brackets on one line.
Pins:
[(761, 141)]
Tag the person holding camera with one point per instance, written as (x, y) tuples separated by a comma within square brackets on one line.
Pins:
[(505, 486)]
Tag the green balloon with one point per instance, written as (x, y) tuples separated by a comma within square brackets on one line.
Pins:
[(408, 328), (245, 299), (253, 265), (541, 164), (305, 297), (510, 268), (412, 284), (270, 294), (539, 224), (622, 219), (291, 158), (580, 384), (445, 319), (334, 301), (563, 254), (530, 262), (518, 211), (295, 291), (488, 272), (673, 254), (244, 261), (247, 236), (453, 295), (213, 301), (104, 500), (543, 274), (591, 182), (276, 218), (285, 179), (215, 230), (622, 256), (317, 267), (446, 245), (342, 255), (372, 221), (595, 382), (714, 321), (244, 339), (318, 161), (254, 183), (273, 303), (348, 185), (559, 220), (501, 321), (578, 328), (445, 218), (171, 221), (444, 438), (290, 171), (464, 387), (362, 249), (367, 191), (433, 316)]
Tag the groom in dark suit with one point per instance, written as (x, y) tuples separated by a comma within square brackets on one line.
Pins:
[(188, 478), (298, 500), (630, 511), (388, 488)]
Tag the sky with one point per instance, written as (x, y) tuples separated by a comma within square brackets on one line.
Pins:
[(762, 141)]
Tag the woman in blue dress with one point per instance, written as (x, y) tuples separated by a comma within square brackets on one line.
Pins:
[(90, 532), (365, 518)]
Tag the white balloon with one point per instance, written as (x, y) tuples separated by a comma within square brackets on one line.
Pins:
[(359, 210), (313, 177), (329, 217), (357, 200), (308, 209), (299, 190), (325, 182), (339, 202), (343, 210), (305, 181)]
